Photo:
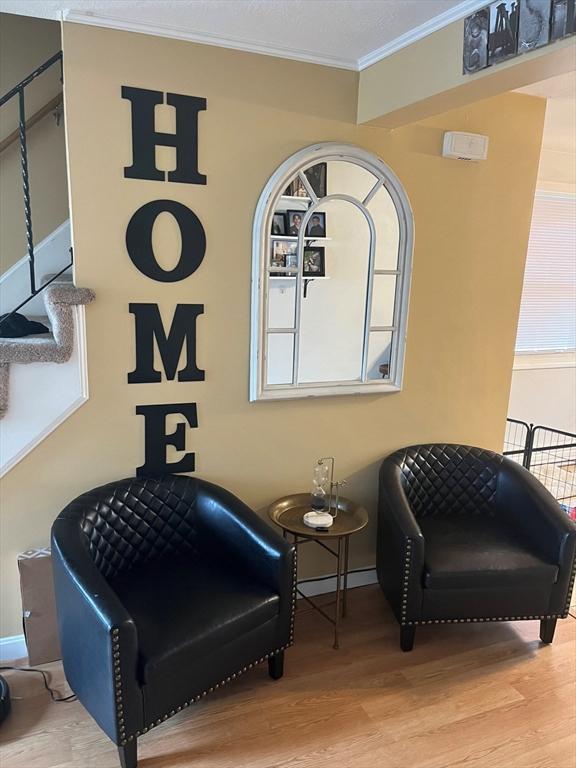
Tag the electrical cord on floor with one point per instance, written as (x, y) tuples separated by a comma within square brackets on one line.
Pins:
[(45, 678)]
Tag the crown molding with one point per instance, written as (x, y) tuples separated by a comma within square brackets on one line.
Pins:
[(205, 38), (456, 13)]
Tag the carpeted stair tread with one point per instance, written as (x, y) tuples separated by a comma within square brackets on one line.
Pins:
[(27, 343), (54, 347)]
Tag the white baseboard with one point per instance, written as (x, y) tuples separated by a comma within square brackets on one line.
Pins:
[(13, 647), (328, 584)]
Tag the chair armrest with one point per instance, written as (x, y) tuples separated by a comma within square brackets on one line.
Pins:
[(525, 502), (98, 637), (400, 548), (239, 531)]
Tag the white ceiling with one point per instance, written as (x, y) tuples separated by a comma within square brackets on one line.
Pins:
[(344, 33), (558, 153), (559, 87)]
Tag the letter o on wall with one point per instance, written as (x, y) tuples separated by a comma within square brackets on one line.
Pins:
[(139, 241)]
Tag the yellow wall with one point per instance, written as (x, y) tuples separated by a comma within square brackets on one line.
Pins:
[(25, 44), (425, 78), (471, 232)]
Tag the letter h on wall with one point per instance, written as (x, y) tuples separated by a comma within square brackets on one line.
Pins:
[(145, 137)]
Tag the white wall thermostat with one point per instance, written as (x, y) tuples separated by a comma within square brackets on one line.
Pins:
[(465, 146)]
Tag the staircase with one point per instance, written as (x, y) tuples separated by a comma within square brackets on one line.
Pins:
[(43, 377), (56, 346)]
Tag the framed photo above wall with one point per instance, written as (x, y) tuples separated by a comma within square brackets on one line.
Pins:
[(562, 19), (314, 262), (507, 28), (475, 55), (534, 25), (503, 34)]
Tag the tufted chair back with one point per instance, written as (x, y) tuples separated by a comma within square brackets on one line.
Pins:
[(136, 520), (445, 479)]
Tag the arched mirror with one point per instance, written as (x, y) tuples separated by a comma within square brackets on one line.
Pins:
[(331, 276)]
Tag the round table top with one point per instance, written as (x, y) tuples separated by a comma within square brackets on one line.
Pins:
[(288, 512)]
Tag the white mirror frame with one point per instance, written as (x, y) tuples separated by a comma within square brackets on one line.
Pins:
[(297, 163)]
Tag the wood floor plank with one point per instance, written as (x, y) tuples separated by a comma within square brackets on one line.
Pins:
[(468, 696)]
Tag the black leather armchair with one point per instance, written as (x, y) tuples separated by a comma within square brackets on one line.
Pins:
[(466, 535), (166, 589)]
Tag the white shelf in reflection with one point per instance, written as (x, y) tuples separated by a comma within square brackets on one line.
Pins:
[(292, 277), (294, 237)]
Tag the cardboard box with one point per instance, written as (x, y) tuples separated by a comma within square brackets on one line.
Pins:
[(39, 606)]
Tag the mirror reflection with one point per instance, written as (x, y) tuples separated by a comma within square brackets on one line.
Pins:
[(332, 278)]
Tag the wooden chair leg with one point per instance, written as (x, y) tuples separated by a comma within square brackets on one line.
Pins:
[(276, 666), (407, 635), (128, 755), (547, 627)]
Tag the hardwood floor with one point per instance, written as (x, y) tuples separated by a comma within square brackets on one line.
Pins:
[(468, 696)]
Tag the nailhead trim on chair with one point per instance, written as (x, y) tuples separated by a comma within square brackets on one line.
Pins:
[(199, 696), (116, 655), (294, 594), (407, 561), (570, 587), (493, 618), (118, 684)]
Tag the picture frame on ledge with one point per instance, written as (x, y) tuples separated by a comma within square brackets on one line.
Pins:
[(314, 262), (534, 25), (317, 177), (296, 188), (316, 225), (294, 222), (503, 31), (278, 223), (562, 19), (283, 257), (475, 56)]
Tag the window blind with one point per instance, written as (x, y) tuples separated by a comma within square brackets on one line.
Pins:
[(548, 309)]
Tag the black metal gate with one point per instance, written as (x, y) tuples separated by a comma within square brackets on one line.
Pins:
[(550, 454)]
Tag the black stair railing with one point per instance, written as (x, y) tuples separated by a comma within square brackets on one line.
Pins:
[(19, 92)]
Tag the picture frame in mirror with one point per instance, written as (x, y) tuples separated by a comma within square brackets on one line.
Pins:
[(283, 258), (278, 223), (316, 225), (317, 176), (296, 188), (314, 262), (294, 222)]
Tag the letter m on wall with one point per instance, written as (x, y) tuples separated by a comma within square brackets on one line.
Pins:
[(182, 334)]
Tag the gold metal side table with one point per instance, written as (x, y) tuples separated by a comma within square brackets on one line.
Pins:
[(288, 513)]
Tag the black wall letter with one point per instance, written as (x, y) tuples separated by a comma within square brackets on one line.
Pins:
[(149, 327), (156, 439), (139, 241), (145, 137)]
